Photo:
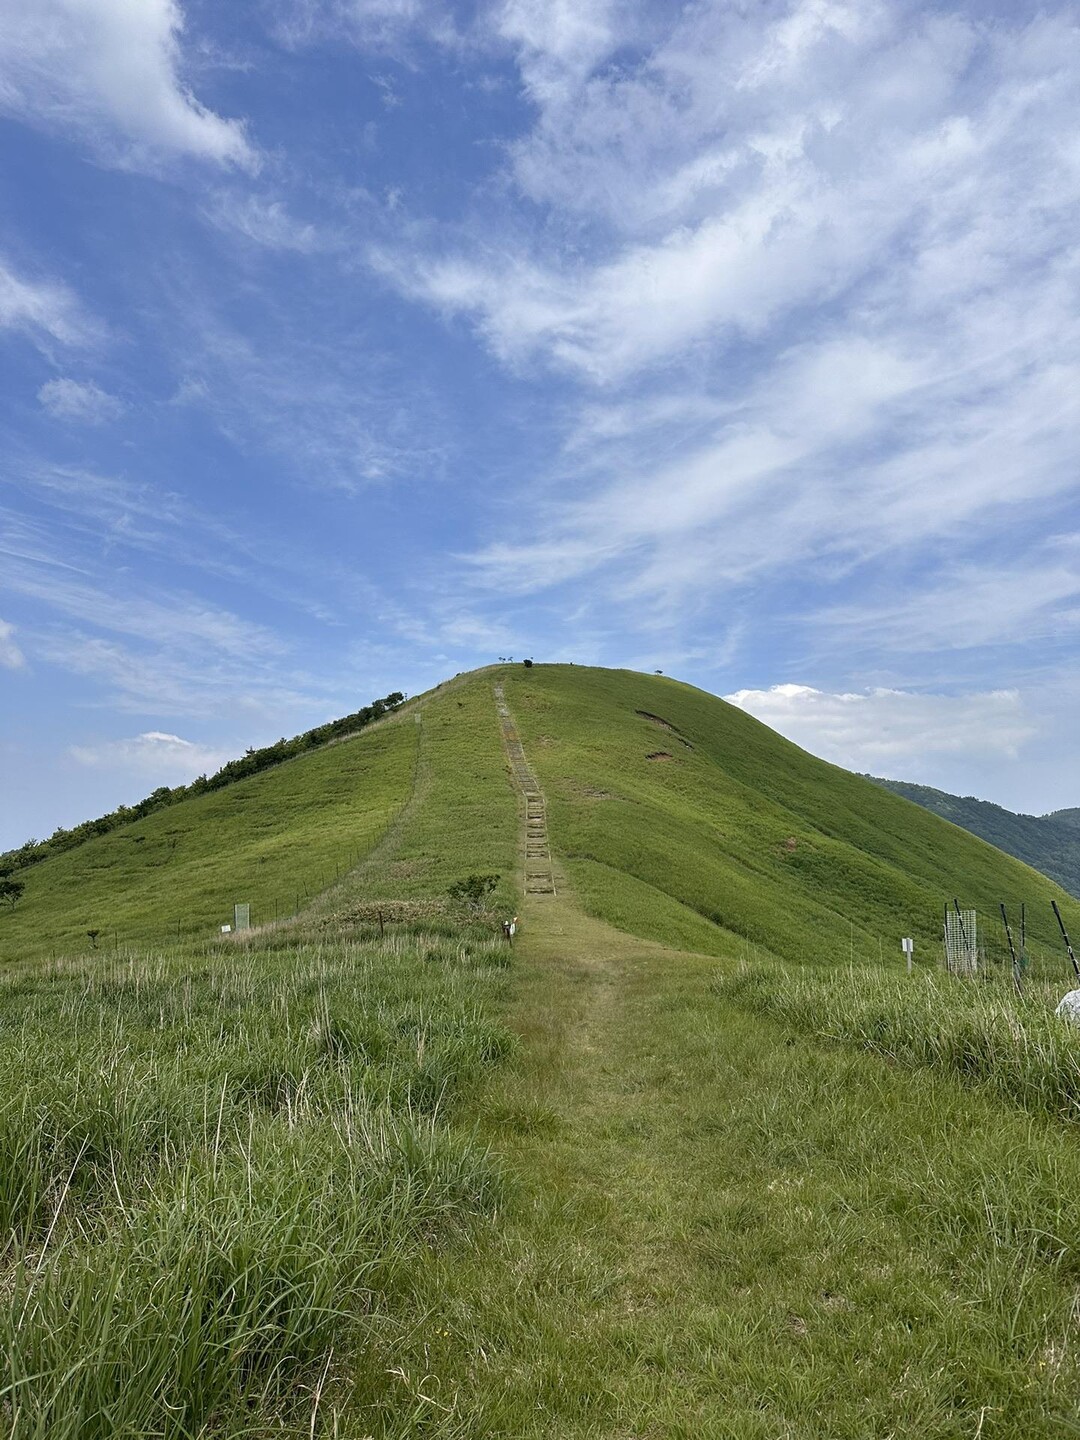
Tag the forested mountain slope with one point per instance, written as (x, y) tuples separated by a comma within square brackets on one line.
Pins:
[(1050, 843)]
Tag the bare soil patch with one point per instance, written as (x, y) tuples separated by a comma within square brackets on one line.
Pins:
[(584, 792), (664, 725)]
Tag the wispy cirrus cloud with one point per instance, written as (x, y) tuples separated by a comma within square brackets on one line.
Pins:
[(149, 648), (11, 657), (336, 408), (112, 73), (82, 594), (811, 278), (78, 556), (1001, 601), (381, 25), (44, 310), (853, 445), (80, 401), (268, 222)]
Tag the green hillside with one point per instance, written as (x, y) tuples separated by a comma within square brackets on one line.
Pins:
[(279, 839), (1050, 843), (272, 840), (733, 837)]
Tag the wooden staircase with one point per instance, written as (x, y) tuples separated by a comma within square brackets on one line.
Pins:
[(539, 875)]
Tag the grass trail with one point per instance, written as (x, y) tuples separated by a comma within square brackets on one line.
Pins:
[(721, 1229)]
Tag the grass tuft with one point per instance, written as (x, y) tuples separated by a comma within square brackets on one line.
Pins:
[(979, 1031)]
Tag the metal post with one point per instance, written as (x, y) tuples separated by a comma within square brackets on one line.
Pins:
[(1012, 950), (1065, 937), (959, 916)]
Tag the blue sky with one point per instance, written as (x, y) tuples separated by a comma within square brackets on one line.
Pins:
[(347, 344)]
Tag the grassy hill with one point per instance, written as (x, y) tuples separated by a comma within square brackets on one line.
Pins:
[(1050, 843), (672, 1166), (676, 817), (682, 819)]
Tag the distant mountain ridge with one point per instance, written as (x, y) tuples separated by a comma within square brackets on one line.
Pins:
[(1050, 843)]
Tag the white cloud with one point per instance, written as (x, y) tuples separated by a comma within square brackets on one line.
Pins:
[(893, 731), (558, 42), (265, 222), (82, 402), (154, 757), (41, 309), (812, 269), (389, 25), (713, 202), (846, 448), (11, 657), (112, 72), (974, 605)]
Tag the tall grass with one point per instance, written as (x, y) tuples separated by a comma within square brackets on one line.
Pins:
[(217, 1170), (981, 1032)]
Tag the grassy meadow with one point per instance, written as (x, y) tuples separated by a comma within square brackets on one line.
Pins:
[(648, 1174), (719, 1228), (219, 1173)]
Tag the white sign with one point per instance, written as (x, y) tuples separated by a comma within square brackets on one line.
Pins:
[(226, 929), (907, 944)]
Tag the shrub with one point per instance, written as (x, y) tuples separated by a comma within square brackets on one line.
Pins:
[(473, 890)]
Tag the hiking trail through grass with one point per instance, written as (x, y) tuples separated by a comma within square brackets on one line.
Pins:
[(710, 1223), (721, 1230)]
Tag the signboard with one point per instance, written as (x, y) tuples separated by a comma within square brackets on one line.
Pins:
[(907, 945)]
